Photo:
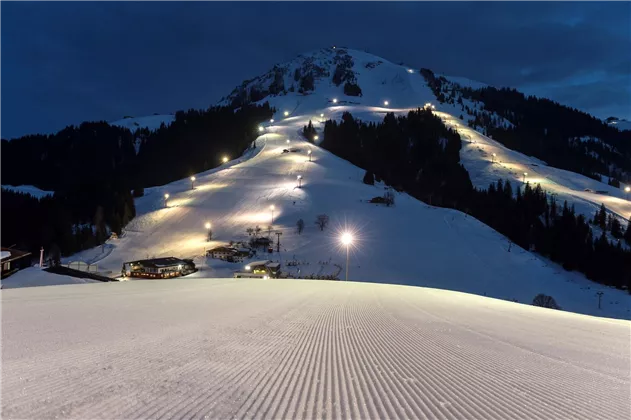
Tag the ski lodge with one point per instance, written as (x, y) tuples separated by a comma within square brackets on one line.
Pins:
[(158, 268)]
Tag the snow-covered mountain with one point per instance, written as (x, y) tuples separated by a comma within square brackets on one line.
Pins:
[(411, 243), (619, 123)]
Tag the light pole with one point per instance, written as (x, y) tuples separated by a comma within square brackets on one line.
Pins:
[(299, 181), (315, 138), (192, 183), (286, 113), (261, 129), (287, 141), (334, 100), (493, 158), (347, 239), (271, 121), (525, 175), (224, 159), (627, 190), (210, 232), (272, 209), (309, 153), (321, 117), (386, 103), (166, 198)]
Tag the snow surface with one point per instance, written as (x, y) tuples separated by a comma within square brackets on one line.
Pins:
[(464, 82), (411, 243), (152, 122), (246, 348), (34, 276), (29, 189)]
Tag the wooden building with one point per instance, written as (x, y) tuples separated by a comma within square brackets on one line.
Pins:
[(12, 260)]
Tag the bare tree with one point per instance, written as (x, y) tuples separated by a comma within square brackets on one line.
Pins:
[(389, 197), (545, 301), (322, 220), (300, 224), (250, 231), (257, 231)]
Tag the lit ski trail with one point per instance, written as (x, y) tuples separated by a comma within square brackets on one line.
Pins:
[(223, 348)]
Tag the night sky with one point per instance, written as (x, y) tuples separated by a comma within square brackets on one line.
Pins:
[(64, 63)]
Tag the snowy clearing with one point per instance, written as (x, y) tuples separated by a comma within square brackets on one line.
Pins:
[(245, 348), (28, 189), (152, 122)]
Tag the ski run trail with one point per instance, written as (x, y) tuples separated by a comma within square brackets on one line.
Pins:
[(411, 243), (249, 348)]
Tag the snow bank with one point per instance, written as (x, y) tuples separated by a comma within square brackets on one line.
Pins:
[(33, 276)]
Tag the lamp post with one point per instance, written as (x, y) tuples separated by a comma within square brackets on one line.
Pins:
[(334, 100), (272, 209), (386, 103), (309, 153), (347, 239), (627, 190), (321, 117), (271, 121), (525, 175), (192, 183), (166, 200), (261, 129), (286, 113), (287, 141), (209, 231), (315, 138), (299, 181), (224, 159)]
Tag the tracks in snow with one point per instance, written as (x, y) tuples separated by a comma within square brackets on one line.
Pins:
[(302, 349)]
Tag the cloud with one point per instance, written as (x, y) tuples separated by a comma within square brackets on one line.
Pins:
[(64, 63)]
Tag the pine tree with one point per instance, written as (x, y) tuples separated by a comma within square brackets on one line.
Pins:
[(369, 178), (616, 228), (627, 233)]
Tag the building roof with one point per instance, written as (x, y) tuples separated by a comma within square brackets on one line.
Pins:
[(223, 249), (13, 254), (257, 263), (159, 262)]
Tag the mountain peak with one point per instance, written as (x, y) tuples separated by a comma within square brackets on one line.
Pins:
[(348, 75)]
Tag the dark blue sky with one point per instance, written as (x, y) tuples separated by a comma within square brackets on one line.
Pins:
[(63, 63)]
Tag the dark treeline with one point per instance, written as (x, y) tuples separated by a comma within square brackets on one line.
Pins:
[(419, 155), (94, 167)]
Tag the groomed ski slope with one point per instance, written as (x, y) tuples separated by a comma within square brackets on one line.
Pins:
[(411, 243), (581, 191), (275, 349)]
